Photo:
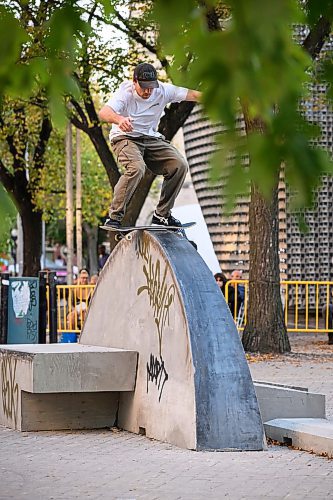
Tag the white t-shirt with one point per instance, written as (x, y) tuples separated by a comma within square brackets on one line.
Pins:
[(145, 113)]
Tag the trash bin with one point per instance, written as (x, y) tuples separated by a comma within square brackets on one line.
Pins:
[(68, 337)]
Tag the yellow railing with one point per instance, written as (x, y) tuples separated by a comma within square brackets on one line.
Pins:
[(306, 304), (72, 305)]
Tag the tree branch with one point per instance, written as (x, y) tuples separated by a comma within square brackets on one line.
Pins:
[(317, 36), (174, 118), (6, 178), (44, 135)]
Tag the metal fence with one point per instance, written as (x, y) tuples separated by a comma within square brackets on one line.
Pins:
[(300, 315), (72, 305)]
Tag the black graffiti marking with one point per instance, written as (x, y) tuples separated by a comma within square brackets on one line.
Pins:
[(31, 330), (157, 374), (33, 295), (9, 387)]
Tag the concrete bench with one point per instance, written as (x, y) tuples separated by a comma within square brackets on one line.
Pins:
[(63, 386)]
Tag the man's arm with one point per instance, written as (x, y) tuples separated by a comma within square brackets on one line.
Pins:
[(107, 114), (193, 95)]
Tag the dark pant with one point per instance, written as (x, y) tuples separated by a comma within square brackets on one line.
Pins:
[(137, 154), (328, 318)]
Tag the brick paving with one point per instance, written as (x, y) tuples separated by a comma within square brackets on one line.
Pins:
[(112, 464)]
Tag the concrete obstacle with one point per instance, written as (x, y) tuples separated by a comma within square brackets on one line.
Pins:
[(62, 386), (157, 297)]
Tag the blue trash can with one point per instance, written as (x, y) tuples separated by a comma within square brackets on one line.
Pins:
[(68, 337)]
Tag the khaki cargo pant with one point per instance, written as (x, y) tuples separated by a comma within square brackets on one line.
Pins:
[(137, 154)]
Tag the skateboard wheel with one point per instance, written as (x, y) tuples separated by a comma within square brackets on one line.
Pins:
[(128, 237), (118, 237)]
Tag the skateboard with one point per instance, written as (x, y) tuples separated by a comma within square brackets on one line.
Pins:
[(125, 232)]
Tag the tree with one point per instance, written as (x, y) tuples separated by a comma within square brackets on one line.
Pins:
[(96, 195), (24, 133), (50, 58), (261, 71)]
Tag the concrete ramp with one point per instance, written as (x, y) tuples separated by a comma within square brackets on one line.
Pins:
[(193, 388)]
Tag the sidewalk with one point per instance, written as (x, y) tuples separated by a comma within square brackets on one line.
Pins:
[(111, 464)]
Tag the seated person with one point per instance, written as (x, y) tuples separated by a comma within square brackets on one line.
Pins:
[(240, 289), (80, 299), (222, 280), (327, 313)]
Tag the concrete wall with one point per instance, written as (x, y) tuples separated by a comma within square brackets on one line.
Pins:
[(156, 296)]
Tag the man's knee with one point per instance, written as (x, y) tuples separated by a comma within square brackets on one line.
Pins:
[(179, 169), (135, 170)]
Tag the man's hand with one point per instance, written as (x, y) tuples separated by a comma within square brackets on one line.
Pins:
[(108, 115), (125, 124)]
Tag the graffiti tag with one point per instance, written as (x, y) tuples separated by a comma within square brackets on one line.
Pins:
[(157, 374)]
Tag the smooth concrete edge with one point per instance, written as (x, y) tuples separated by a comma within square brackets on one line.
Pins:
[(278, 401), (284, 386), (313, 435), (227, 410)]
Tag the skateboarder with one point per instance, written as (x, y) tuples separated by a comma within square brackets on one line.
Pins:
[(134, 111)]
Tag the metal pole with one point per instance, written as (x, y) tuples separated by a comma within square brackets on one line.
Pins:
[(43, 244), (53, 318), (69, 204), (78, 200), (20, 245), (42, 307), (4, 308)]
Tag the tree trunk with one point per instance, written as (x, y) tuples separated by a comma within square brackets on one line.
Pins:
[(32, 240), (265, 330), (91, 233)]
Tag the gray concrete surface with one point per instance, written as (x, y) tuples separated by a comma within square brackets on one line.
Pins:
[(310, 364), (115, 465), (120, 465), (310, 434), (191, 366), (276, 401), (63, 386)]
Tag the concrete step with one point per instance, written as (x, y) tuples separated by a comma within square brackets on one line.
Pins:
[(310, 434), (282, 401)]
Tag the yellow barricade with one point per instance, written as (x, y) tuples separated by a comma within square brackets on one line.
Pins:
[(307, 305), (72, 305)]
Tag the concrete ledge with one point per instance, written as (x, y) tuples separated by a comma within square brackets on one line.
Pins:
[(63, 386), (310, 434), (279, 401), (47, 368)]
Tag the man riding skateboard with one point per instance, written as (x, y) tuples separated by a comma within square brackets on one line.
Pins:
[(135, 111)]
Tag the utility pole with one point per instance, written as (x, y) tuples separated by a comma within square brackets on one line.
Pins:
[(78, 200), (69, 204)]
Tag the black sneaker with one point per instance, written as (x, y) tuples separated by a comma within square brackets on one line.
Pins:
[(165, 221), (111, 223)]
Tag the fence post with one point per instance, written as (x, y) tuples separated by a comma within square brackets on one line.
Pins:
[(53, 313), (42, 308), (4, 308)]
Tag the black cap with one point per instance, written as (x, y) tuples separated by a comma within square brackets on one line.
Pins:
[(146, 76)]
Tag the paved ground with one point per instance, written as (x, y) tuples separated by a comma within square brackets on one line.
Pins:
[(310, 364), (110, 464)]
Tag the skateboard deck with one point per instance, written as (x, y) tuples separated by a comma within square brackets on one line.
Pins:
[(123, 232)]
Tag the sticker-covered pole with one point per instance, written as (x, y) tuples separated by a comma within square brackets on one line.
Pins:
[(4, 308)]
